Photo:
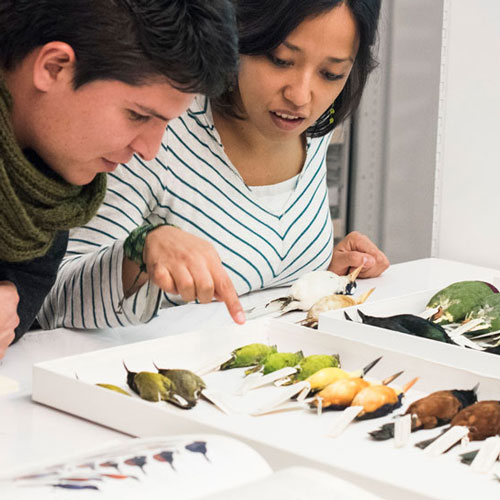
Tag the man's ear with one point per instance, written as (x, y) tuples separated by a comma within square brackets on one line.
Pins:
[(54, 65)]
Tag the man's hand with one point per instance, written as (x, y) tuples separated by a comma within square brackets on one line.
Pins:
[(8, 314), (356, 249), (183, 264)]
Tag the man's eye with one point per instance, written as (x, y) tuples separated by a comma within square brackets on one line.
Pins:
[(136, 117), (279, 62)]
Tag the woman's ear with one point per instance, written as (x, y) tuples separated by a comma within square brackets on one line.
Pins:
[(54, 65)]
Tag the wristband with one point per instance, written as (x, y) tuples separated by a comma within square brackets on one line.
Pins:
[(133, 246)]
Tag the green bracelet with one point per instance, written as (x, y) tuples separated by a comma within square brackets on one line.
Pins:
[(133, 246)]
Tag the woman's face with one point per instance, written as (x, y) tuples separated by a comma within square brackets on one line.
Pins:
[(285, 92)]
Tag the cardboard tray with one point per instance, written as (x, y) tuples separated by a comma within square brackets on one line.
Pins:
[(287, 438)]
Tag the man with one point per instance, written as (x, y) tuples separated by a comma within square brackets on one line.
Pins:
[(85, 85)]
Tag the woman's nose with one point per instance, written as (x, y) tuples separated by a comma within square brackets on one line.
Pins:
[(298, 91)]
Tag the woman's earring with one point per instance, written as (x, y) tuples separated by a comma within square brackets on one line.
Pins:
[(331, 111)]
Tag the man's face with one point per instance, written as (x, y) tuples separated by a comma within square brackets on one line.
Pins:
[(82, 132)]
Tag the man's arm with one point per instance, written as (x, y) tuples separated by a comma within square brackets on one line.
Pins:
[(33, 279)]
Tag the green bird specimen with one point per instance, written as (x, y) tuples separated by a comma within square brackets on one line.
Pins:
[(186, 385), (276, 361), (153, 386), (248, 355), (456, 300), (488, 311)]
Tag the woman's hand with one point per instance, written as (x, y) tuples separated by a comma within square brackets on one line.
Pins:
[(356, 249), (8, 314), (186, 265)]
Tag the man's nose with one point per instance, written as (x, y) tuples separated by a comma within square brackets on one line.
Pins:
[(148, 143)]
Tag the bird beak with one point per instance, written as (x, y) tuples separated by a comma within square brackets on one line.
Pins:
[(353, 276)]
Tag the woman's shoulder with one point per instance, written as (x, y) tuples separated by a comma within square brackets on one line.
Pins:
[(199, 114)]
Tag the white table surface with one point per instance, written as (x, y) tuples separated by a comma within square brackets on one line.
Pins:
[(31, 433)]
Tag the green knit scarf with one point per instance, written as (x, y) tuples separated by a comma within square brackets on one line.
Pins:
[(34, 207)]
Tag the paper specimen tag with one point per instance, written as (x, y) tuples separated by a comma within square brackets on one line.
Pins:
[(343, 420), (447, 440), (402, 431), (428, 313), (466, 327), (487, 455), (465, 342), (283, 396), (218, 399), (259, 380), (304, 392), (288, 406)]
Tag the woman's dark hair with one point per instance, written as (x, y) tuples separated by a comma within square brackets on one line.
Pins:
[(193, 43), (263, 25)]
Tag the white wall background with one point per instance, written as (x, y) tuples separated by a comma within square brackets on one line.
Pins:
[(395, 131), (467, 209)]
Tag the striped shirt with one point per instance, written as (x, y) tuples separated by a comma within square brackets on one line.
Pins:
[(193, 185)]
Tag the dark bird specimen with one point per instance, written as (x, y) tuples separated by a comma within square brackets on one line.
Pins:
[(110, 464), (137, 462), (76, 486), (437, 409), (482, 419), (407, 323), (165, 456), (198, 447)]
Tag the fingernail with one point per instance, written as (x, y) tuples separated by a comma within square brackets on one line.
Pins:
[(240, 317)]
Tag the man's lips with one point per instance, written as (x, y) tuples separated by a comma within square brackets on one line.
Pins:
[(112, 164), (109, 165)]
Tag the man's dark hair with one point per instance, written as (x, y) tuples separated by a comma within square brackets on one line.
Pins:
[(264, 24), (193, 43)]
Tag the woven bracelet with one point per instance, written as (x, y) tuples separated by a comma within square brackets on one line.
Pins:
[(133, 247)]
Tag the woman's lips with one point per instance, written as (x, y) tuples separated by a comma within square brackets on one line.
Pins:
[(284, 121)]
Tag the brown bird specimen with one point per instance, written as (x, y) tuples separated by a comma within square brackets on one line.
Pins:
[(436, 409), (482, 419)]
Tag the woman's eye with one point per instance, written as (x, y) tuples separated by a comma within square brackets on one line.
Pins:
[(279, 62), (332, 77), (136, 117)]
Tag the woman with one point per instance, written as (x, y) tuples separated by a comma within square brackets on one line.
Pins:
[(242, 178)]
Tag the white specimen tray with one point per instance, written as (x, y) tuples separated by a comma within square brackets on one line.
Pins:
[(288, 438), (335, 322)]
